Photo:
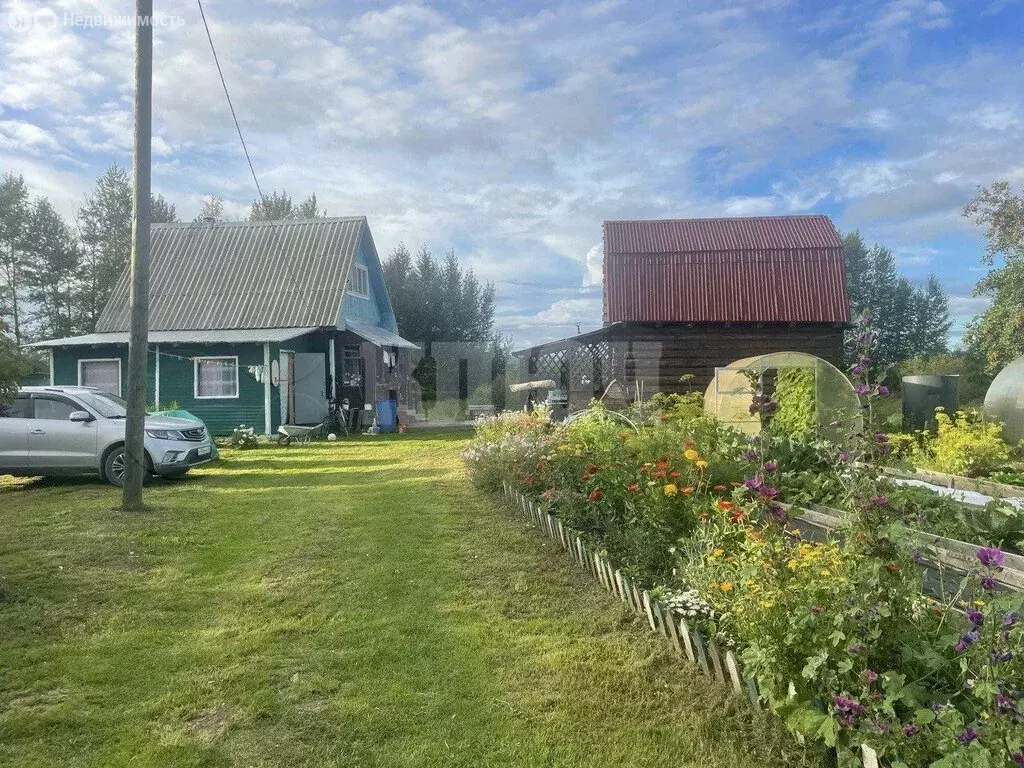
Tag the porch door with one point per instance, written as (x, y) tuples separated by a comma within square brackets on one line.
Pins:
[(310, 387)]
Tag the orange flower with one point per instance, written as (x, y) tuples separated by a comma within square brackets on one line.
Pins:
[(893, 567), (738, 515), (623, 435), (659, 474), (595, 495), (674, 473), (634, 487), (718, 488), (687, 489), (705, 516), (725, 505), (665, 417), (689, 444)]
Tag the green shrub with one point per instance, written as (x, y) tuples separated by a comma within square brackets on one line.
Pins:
[(244, 437), (966, 444), (794, 392)]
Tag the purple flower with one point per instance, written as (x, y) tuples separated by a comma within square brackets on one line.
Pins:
[(966, 640), (770, 466), (847, 709), (880, 501), (778, 513), (987, 582), (991, 557), (1010, 619), (769, 493), (844, 457), (910, 730), (862, 389), (865, 361), (1002, 655), (871, 675), (968, 736), (749, 455), (977, 618), (882, 391), (856, 648), (881, 437), (916, 558), (1005, 703), (816, 609), (1018, 757), (857, 370), (754, 483)]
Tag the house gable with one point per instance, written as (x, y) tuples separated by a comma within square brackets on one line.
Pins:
[(375, 308)]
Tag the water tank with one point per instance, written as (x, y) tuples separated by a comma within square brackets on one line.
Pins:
[(1005, 400), (387, 415), (923, 394)]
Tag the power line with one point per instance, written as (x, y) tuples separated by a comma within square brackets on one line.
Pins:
[(245, 149)]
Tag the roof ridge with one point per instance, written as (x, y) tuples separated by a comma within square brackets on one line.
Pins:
[(321, 220), (721, 218)]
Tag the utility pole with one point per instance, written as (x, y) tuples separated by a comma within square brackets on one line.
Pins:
[(138, 338)]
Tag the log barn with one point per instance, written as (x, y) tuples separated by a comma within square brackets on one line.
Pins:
[(683, 297)]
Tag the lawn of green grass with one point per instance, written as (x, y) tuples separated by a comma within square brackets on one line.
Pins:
[(339, 604)]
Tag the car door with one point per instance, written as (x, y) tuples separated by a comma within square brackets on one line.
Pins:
[(55, 443), (14, 424)]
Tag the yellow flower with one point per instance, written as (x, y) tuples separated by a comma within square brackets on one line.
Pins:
[(767, 603), (671, 489), (712, 585), (701, 464), (578, 453), (726, 586), (717, 553), (691, 454), (738, 609)]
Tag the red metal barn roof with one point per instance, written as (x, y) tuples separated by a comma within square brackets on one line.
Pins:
[(760, 269)]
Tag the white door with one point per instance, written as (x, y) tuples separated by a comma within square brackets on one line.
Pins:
[(310, 387)]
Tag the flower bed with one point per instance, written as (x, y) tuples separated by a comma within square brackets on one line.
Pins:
[(837, 633)]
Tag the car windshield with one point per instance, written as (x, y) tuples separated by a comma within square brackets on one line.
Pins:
[(108, 405)]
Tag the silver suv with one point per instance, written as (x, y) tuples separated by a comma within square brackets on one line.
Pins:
[(76, 430)]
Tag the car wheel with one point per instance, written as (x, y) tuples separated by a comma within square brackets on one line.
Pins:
[(114, 467)]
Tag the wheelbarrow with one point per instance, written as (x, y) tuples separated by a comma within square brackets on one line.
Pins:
[(295, 433)]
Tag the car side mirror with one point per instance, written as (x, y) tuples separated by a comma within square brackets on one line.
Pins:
[(83, 417)]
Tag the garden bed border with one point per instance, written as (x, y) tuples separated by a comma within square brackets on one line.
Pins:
[(685, 641)]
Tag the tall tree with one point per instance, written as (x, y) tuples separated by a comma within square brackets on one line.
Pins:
[(911, 320), (998, 333), (438, 301), (105, 227), (212, 209), (14, 217), (13, 366), (279, 206), (161, 211), (52, 273)]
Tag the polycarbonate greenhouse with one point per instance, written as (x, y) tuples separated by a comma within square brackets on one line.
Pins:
[(814, 396), (1005, 400)]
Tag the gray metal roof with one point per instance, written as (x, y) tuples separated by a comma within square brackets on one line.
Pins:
[(227, 336), (222, 275), (381, 337)]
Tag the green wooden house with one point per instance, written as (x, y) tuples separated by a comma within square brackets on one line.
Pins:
[(254, 323)]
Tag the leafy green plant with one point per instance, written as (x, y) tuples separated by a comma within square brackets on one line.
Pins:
[(966, 444), (794, 392)]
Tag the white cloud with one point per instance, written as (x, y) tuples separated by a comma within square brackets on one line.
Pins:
[(967, 306)]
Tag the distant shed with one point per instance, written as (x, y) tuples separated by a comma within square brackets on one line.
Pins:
[(684, 296)]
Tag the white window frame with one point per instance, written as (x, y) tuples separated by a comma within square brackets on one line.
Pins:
[(100, 360), (359, 269), (195, 377)]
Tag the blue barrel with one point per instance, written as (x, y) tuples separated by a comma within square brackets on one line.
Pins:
[(387, 415)]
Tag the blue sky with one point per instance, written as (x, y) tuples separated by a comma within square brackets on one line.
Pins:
[(508, 131)]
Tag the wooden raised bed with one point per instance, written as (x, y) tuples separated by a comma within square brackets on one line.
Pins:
[(987, 487)]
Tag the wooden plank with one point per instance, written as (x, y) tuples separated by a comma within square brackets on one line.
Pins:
[(637, 600), (716, 661), (869, 756), (752, 694), (627, 589), (645, 600), (599, 570), (732, 665), (685, 634), (673, 631), (701, 651), (659, 617)]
